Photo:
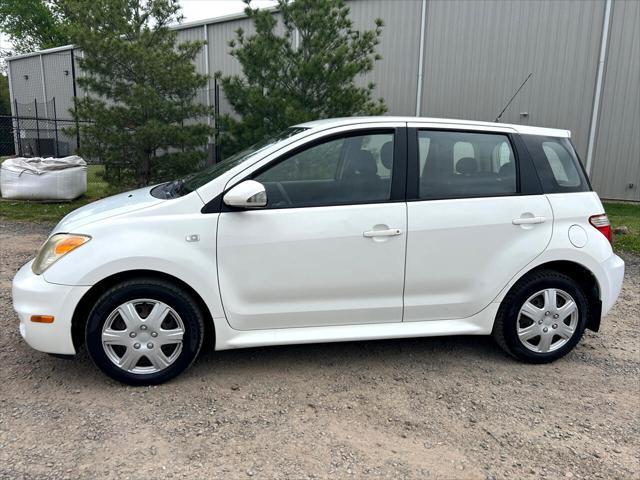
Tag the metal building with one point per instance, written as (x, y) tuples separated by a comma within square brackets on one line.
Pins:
[(461, 59)]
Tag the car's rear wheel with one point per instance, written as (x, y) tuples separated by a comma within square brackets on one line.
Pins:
[(144, 331), (542, 318)]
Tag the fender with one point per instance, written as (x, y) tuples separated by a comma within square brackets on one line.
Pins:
[(160, 243), (584, 259)]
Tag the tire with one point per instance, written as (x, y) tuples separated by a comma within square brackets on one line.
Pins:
[(144, 331), (526, 326)]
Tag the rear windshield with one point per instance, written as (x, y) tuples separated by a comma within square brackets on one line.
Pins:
[(557, 163)]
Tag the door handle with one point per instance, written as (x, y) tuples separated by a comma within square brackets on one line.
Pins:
[(390, 232), (528, 220)]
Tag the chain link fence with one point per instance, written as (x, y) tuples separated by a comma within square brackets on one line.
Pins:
[(34, 129)]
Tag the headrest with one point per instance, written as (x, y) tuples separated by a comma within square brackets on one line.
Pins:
[(386, 154), (363, 163), (507, 170), (467, 166)]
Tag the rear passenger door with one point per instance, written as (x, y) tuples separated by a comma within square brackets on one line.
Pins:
[(476, 216)]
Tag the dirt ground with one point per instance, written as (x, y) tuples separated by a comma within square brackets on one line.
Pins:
[(454, 408)]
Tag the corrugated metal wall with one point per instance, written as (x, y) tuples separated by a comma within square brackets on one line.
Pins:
[(193, 35), (616, 163), (26, 81), (220, 34), (396, 74), (58, 81), (476, 53)]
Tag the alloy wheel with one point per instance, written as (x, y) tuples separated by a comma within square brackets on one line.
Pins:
[(143, 336), (547, 320)]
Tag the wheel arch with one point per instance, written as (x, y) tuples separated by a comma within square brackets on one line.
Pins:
[(583, 276), (88, 300)]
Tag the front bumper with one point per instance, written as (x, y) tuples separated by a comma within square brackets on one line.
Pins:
[(33, 295), (613, 269)]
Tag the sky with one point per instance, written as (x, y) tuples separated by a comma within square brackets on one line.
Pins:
[(196, 10), (201, 9)]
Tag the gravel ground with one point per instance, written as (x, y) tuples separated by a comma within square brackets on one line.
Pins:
[(423, 408)]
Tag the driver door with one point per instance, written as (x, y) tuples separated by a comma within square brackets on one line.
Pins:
[(329, 247)]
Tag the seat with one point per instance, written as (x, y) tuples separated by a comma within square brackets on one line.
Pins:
[(467, 166), (386, 155), (436, 171), (360, 180), (508, 170)]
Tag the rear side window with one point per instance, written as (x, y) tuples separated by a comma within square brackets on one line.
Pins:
[(465, 164), (557, 164)]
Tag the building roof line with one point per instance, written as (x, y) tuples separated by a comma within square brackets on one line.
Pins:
[(214, 20), (180, 26), (40, 52)]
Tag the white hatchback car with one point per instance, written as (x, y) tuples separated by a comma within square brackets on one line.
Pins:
[(335, 230)]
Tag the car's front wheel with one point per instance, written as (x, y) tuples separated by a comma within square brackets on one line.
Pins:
[(144, 331), (542, 318)]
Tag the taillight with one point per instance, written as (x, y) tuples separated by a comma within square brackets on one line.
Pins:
[(601, 222)]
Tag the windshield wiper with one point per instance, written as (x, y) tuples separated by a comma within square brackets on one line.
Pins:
[(172, 189)]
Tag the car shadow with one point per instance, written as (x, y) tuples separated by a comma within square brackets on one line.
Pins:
[(412, 355), (406, 353)]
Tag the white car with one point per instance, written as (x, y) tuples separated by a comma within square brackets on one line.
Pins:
[(334, 230)]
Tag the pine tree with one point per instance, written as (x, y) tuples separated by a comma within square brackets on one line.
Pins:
[(305, 73), (138, 116), (5, 101)]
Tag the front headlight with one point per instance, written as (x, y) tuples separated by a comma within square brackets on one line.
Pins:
[(55, 248)]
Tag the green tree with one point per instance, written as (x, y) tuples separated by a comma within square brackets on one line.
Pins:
[(5, 101), (140, 115), (33, 24), (307, 72), (6, 135)]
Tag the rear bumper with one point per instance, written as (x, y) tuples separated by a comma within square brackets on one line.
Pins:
[(33, 295), (611, 283)]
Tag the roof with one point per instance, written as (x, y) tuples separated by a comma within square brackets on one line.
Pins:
[(521, 129), (220, 19), (40, 52), (179, 26)]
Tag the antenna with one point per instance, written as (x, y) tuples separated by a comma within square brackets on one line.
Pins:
[(514, 96)]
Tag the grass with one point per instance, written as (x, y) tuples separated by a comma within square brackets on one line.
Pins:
[(52, 212), (627, 214)]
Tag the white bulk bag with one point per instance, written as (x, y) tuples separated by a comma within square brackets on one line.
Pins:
[(43, 178)]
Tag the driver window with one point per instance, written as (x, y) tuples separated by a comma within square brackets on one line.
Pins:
[(343, 170), (317, 163)]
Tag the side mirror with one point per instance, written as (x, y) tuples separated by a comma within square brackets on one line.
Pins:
[(247, 194)]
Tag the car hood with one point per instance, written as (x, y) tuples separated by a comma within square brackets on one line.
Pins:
[(107, 207)]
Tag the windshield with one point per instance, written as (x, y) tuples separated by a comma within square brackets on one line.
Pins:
[(188, 184)]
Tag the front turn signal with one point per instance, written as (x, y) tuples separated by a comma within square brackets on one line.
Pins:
[(68, 244)]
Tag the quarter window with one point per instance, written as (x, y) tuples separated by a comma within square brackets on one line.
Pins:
[(561, 164), (350, 169), (557, 164), (463, 164)]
